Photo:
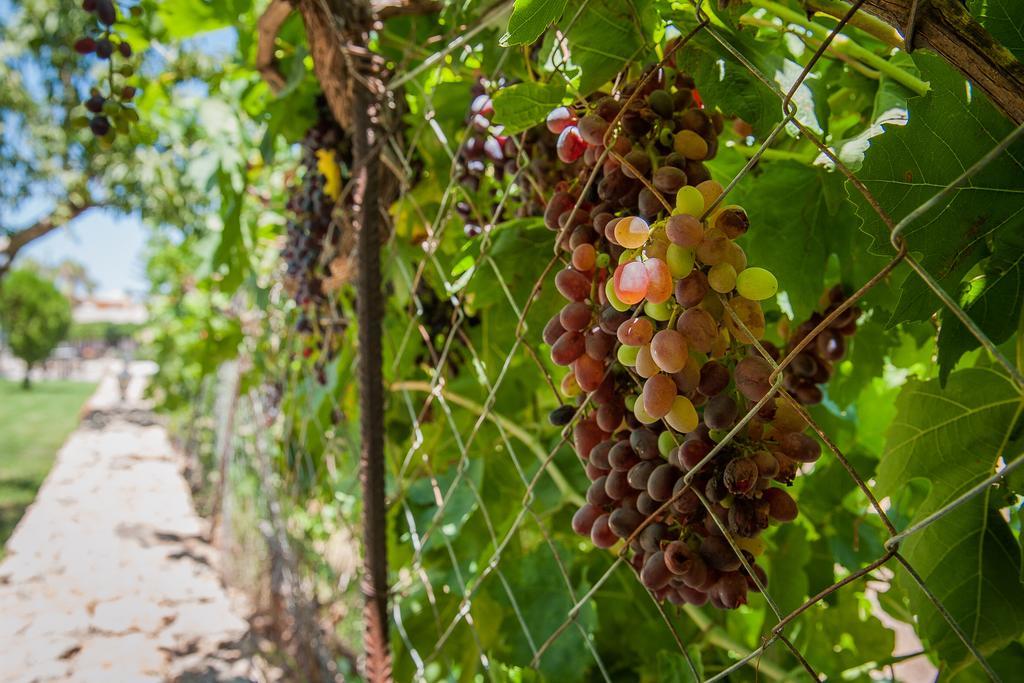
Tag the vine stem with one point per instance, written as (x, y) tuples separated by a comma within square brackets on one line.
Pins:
[(776, 154), (870, 24), (846, 46), (511, 427), (812, 43)]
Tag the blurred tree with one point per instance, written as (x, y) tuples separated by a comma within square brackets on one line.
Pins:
[(34, 315), (70, 276), (73, 278), (54, 168)]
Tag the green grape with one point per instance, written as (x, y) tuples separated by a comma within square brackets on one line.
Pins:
[(642, 415), (660, 311), (603, 260), (680, 260), (682, 416), (628, 255), (613, 300), (690, 201), (627, 354), (756, 284), (722, 278), (630, 402), (718, 434), (666, 441)]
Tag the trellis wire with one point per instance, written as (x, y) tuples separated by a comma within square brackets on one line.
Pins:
[(438, 394)]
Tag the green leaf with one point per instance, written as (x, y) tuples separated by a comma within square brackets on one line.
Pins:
[(992, 300), (949, 129), (1020, 538), (231, 253), (529, 19), (1007, 663), (728, 85), (787, 237), (788, 558), (184, 18), (865, 360), (794, 239), (521, 106), (672, 667), (953, 437), (843, 635), (543, 601), (1003, 19), (607, 35), (892, 95)]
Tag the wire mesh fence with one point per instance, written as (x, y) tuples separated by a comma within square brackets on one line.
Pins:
[(440, 494), (465, 422)]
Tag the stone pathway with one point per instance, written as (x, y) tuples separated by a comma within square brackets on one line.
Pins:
[(106, 577)]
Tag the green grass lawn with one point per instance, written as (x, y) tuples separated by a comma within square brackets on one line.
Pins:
[(33, 425)]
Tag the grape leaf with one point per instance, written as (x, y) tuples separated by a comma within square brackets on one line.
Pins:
[(790, 554), (1003, 19), (729, 85), (992, 300), (795, 238), (521, 106), (543, 601), (672, 667), (953, 437), (1007, 663), (948, 130), (843, 635), (606, 36), (864, 361), (186, 18), (529, 19), (788, 238), (892, 95)]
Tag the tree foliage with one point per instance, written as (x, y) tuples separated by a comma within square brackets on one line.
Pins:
[(34, 315)]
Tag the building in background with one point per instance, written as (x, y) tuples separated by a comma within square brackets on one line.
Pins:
[(113, 308)]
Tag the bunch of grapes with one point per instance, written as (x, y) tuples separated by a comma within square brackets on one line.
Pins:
[(309, 233), (486, 155), (436, 318), (813, 365), (110, 112), (484, 148), (660, 334)]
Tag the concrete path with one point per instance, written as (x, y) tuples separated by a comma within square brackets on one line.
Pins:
[(106, 577)]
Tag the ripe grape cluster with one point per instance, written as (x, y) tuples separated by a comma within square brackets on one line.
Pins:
[(812, 367), (308, 249), (487, 156), (109, 113), (484, 148), (659, 333)]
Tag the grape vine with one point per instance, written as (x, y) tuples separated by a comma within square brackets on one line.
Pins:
[(313, 268)]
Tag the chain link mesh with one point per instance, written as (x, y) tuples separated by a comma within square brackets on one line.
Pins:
[(469, 429)]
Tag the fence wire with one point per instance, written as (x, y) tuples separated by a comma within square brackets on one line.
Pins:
[(436, 401)]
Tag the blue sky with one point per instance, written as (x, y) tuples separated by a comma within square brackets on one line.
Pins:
[(109, 245)]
